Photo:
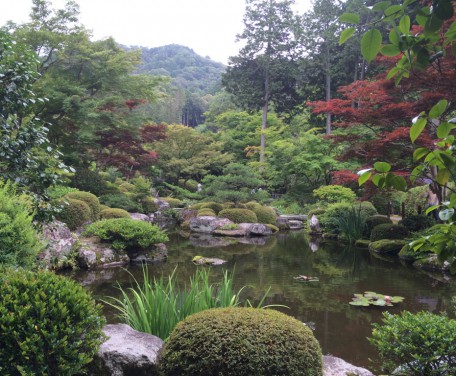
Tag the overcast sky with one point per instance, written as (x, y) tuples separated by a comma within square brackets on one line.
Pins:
[(209, 27)]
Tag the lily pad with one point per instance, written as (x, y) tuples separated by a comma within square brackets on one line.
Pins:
[(375, 299)]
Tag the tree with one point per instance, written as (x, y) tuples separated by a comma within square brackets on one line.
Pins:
[(265, 69)]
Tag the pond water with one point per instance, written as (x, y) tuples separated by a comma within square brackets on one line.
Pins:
[(340, 328)]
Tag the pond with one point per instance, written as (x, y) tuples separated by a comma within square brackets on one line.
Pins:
[(272, 263)]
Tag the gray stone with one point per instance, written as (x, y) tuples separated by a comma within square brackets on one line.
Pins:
[(282, 223), (295, 224), (314, 225), (234, 233), (158, 252), (139, 217), (126, 352), (333, 366), (207, 224), (199, 260), (161, 204), (255, 229), (93, 254), (295, 217), (60, 243)]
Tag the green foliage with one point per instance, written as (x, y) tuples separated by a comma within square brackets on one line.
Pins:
[(126, 187), (114, 213), (382, 200), (190, 185), (330, 219), (58, 191), (126, 233), (331, 194), (173, 202), (239, 215), (91, 200), (155, 306), (252, 205), (373, 221), (389, 231), (73, 212), (420, 344), (120, 201), (239, 343), (317, 212), (388, 246), (49, 325), (374, 299), (182, 193), (265, 214), (206, 212), (88, 181), (417, 222), (148, 205), (351, 224), (215, 206), (416, 198), (19, 241)]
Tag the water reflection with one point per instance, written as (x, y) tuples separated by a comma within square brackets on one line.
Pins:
[(342, 271)]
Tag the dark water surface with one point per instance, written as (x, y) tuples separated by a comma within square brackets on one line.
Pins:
[(340, 328)]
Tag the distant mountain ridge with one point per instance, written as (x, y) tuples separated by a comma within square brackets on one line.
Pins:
[(188, 70)]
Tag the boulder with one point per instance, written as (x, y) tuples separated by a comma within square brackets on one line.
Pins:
[(432, 263), (60, 244), (139, 217), (282, 223), (207, 224), (389, 246), (255, 229), (93, 254), (200, 260), (314, 225), (161, 204), (186, 214), (126, 352), (295, 224), (333, 366), (159, 252), (233, 233)]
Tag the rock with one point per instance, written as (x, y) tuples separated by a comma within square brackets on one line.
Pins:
[(314, 225), (140, 217), (256, 240), (186, 214), (432, 263), (126, 352), (333, 366), (282, 223), (207, 224), (295, 224), (159, 252), (94, 254), (295, 217), (389, 246), (200, 260), (60, 241), (234, 233), (255, 229), (161, 204)]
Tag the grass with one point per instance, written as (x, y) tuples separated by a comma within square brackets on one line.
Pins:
[(352, 224)]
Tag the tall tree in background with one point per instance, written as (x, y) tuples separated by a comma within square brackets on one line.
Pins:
[(265, 70)]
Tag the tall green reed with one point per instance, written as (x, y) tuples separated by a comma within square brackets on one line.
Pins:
[(155, 306), (351, 224)]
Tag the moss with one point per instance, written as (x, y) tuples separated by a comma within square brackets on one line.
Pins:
[(91, 200), (388, 231), (272, 227), (114, 213), (215, 206), (241, 341), (239, 215), (388, 246), (148, 205)]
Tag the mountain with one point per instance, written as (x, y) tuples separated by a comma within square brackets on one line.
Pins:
[(188, 70)]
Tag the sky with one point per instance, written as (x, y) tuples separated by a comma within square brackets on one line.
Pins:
[(209, 27)]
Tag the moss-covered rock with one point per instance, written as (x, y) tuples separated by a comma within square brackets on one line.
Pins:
[(239, 215), (432, 263), (272, 227), (389, 246), (362, 243), (241, 341), (389, 231), (374, 221)]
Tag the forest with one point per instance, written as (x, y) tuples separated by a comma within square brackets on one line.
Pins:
[(345, 112)]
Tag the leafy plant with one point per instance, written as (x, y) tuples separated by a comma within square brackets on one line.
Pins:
[(126, 233), (331, 194), (389, 231), (90, 199), (73, 212), (49, 325), (372, 298), (114, 213), (352, 224), (120, 201), (239, 215), (416, 344)]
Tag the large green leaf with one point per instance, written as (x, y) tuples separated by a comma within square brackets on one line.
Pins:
[(371, 43), (438, 109), (364, 177), (351, 18), (417, 128), (346, 34), (404, 24), (390, 50), (420, 153), (382, 167)]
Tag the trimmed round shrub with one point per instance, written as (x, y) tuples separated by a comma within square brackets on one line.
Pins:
[(120, 201), (417, 222), (49, 325), (91, 200), (215, 206), (126, 233), (373, 221), (103, 207), (73, 212), (252, 205), (389, 231), (229, 205), (126, 187), (334, 193), (239, 215), (114, 213), (205, 212), (241, 342), (265, 214), (196, 206), (173, 202)]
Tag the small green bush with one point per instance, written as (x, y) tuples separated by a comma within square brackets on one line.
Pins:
[(173, 202), (417, 222), (215, 206), (373, 221), (265, 214), (91, 200), (126, 187), (317, 212), (241, 342), (19, 241), (148, 205), (126, 233), (205, 212), (252, 205), (418, 344), (58, 191), (414, 199), (196, 206), (389, 231), (73, 212), (330, 219), (49, 325), (103, 207), (239, 215), (88, 181), (274, 228), (334, 193), (190, 185), (114, 213), (120, 201)]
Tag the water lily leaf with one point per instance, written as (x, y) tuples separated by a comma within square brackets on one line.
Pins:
[(379, 302), (361, 303), (397, 299)]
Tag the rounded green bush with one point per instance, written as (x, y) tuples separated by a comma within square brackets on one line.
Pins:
[(205, 212), (196, 206), (389, 231), (88, 181), (73, 212), (90, 199), (49, 325), (265, 214), (239, 215), (373, 221), (252, 205), (417, 222), (120, 201), (126, 187), (215, 206), (241, 341), (114, 213), (317, 212), (173, 202), (103, 207), (126, 233), (334, 193), (148, 205)]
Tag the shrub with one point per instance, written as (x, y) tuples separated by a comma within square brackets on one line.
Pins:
[(196, 206), (49, 325), (216, 207), (114, 213), (58, 191), (241, 341), (19, 242), (415, 198), (389, 231), (148, 205), (274, 228), (173, 202), (126, 187), (373, 221), (239, 215), (380, 202), (205, 212), (91, 200), (334, 193), (252, 205), (73, 212), (120, 201), (351, 224), (88, 181), (190, 185), (317, 212), (417, 222), (330, 219), (420, 344), (103, 207), (265, 214), (126, 233)]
